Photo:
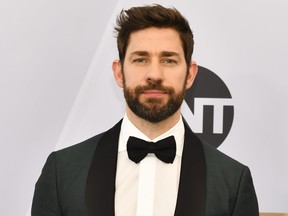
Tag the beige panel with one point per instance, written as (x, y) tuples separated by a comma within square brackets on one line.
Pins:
[(273, 214)]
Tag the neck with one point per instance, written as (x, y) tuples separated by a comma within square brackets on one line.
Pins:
[(151, 129)]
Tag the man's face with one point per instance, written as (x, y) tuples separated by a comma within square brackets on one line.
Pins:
[(155, 74)]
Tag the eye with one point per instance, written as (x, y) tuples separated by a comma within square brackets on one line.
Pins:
[(169, 61), (140, 60)]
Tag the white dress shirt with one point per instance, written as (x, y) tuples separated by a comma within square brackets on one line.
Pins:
[(150, 187)]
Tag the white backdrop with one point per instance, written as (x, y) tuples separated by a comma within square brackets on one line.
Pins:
[(57, 88)]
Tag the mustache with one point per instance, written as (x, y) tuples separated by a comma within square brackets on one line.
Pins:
[(153, 86)]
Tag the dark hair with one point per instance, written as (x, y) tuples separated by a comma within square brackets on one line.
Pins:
[(138, 18)]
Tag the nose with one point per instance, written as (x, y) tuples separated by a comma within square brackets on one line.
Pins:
[(154, 73)]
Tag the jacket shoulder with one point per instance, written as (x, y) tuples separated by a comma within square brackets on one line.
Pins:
[(230, 187), (216, 158), (79, 150)]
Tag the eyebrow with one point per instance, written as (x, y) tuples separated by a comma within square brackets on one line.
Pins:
[(139, 53), (162, 54), (169, 54)]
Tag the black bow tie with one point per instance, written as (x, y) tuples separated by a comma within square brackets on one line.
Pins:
[(164, 150)]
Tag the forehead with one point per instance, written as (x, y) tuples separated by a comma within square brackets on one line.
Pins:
[(154, 40)]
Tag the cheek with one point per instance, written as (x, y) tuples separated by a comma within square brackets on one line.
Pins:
[(179, 82), (133, 81)]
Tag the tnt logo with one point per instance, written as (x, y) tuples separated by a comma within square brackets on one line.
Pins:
[(211, 108)]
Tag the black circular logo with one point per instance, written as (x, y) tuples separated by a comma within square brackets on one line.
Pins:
[(212, 108)]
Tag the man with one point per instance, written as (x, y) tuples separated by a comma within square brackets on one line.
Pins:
[(109, 174)]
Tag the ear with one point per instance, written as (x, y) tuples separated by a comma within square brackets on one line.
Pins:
[(118, 75), (192, 72)]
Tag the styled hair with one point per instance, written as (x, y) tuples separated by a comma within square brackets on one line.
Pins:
[(139, 18)]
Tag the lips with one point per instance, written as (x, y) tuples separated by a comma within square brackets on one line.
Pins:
[(153, 90), (154, 93)]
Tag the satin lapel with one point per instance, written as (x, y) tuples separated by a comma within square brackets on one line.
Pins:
[(100, 185), (192, 186)]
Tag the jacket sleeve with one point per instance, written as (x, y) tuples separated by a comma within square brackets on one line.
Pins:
[(45, 200), (246, 202)]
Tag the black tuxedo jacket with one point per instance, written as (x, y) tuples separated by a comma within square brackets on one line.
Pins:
[(80, 181)]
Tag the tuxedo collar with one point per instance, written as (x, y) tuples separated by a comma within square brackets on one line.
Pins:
[(191, 198), (100, 185)]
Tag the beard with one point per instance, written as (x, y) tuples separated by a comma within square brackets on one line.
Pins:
[(153, 109)]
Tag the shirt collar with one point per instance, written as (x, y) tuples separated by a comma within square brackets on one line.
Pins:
[(128, 129)]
